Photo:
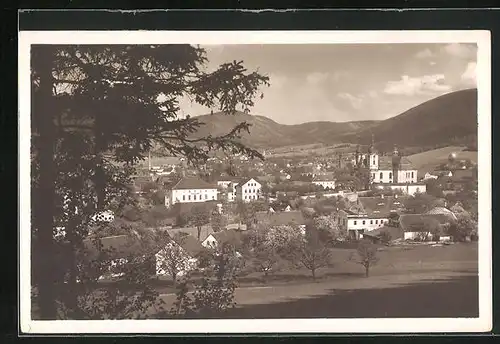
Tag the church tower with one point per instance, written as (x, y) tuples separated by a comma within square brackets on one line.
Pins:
[(373, 156), (396, 164), (357, 156)]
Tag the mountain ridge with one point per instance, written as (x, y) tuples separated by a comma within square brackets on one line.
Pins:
[(449, 118)]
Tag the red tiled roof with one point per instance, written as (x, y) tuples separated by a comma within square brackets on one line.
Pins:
[(192, 183)]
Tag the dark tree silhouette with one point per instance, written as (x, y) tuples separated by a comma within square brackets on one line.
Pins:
[(96, 111)]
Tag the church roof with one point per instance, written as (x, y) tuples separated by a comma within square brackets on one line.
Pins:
[(385, 163)]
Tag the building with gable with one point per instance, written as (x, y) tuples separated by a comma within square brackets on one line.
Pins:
[(191, 190), (326, 181), (248, 190), (370, 214)]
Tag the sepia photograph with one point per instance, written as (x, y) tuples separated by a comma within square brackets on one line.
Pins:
[(216, 182)]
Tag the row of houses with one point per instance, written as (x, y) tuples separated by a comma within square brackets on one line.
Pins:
[(193, 190), (373, 215)]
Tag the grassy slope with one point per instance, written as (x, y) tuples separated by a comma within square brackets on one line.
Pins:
[(427, 161)]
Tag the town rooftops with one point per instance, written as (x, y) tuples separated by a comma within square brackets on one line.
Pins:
[(192, 183), (323, 178), (461, 175), (189, 244), (415, 222), (381, 206), (117, 246), (243, 181), (443, 211), (281, 218), (385, 163), (229, 236)]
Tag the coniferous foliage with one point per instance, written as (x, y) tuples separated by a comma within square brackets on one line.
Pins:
[(96, 111)]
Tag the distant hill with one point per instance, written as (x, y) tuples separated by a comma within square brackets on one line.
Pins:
[(450, 119), (266, 133)]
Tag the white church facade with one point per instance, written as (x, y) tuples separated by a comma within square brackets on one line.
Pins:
[(394, 169)]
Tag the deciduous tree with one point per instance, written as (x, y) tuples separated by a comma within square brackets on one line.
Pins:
[(199, 217), (310, 252), (367, 255)]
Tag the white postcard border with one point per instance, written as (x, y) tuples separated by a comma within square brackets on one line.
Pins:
[(411, 325)]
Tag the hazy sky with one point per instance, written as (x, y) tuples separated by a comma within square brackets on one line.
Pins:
[(348, 82)]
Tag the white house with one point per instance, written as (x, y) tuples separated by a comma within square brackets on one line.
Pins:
[(191, 190), (428, 176), (375, 213), (182, 252), (414, 225), (248, 190), (324, 181)]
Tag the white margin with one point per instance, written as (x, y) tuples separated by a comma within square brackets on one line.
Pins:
[(481, 324)]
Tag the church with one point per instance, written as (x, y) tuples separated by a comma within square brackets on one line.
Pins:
[(394, 169)]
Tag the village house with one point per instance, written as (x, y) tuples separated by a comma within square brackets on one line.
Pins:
[(186, 250), (373, 212), (325, 181), (191, 190), (414, 226), (228, 236), (122, 247), (442, 211), (248, 190), (291, 218)]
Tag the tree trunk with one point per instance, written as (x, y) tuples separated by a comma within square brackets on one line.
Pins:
[(199, 232), (313, 272), (44, 197), (367, 270)]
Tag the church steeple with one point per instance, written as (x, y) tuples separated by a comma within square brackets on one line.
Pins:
[(396, 164), (371, 149)]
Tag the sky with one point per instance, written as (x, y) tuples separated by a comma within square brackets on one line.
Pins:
[(347, 82)]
